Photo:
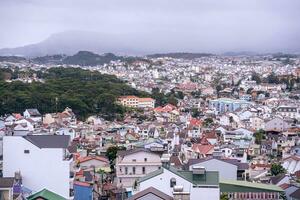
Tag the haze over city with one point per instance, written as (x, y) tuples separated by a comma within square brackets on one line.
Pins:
[(141, 27), (150, 100)]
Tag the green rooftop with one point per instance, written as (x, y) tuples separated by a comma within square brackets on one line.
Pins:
[(210, 178), (245, 186), (45, 194)]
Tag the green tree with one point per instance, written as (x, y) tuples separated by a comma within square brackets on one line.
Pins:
[(259, 136), (276, 169), (111, 154), (272, 78), (256, 77), (224, 196), (208, 122), (195, 112)]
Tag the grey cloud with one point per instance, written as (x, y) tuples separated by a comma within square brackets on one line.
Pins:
[(190, 25)]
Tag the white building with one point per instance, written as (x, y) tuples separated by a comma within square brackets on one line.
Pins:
[(288, 111), (197, 184), (42, 161), (34, 114), (134, 164), (229, 169)]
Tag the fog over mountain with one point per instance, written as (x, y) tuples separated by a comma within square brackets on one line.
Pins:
[(150, 26)]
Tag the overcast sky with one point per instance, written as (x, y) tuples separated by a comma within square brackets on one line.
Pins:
[(199, 25)]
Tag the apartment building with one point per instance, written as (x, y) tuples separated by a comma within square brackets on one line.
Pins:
[(134, 164), (136, 102)]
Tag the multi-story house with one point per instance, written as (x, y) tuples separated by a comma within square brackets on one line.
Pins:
[(230, 169), (257, 123), (134, 164), (136, 102), (288, 111), (276, 124), (222, 105), (43, 162)]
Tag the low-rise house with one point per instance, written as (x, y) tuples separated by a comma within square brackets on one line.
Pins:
[(150, 193), (33, 114), (280, 179), (186, 184), (228, 168), (83, 190), (93, 161), (291, 164), (6, 188), (236, 190), (45, 194)]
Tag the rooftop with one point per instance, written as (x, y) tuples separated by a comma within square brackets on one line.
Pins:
[(245, 186), (49, 141)]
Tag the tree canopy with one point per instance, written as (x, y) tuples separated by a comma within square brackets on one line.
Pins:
[(86, 92)]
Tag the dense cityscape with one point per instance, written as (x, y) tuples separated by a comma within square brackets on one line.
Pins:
[(149, 100), (217, 126)]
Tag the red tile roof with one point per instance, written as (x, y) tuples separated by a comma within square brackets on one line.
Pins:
[(88, 158), (203, 149), (195, 122), (82, 184)]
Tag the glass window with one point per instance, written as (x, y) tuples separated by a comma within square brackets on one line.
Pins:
[(172, 182), (144, 170)]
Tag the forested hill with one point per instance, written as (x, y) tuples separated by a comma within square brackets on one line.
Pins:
[(86, 92)]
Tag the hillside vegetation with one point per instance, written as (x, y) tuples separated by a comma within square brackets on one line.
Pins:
[(86, 92)]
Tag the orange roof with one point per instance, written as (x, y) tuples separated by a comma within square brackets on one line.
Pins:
[(195, 122), (82, 183), (128, 97), (145, 99), (211, 135), (297, 158), (284, 186), (88, 158), (17, 115), (166, 108), (203, 149), (204, 140)]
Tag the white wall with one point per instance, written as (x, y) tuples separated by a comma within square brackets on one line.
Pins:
[(152, 164), (41, 168), (226, 170), (162, 183)]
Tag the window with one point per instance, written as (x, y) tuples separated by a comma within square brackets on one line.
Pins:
[(159, 167), (144, 170), (120, 180), (172, 182), (126, 170), (133, 160), (133, 170), (145, 159), (26, 151)]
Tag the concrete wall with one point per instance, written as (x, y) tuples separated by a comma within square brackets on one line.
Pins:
[(162, 183), (226, 170), (127, 180), (41, 168)]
